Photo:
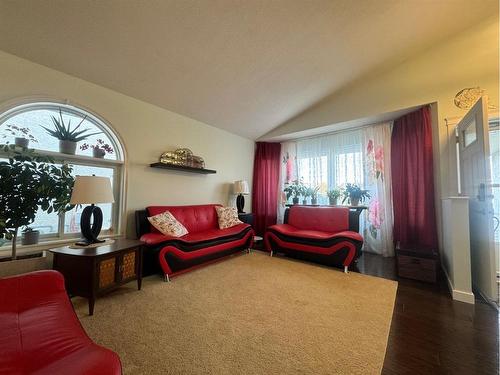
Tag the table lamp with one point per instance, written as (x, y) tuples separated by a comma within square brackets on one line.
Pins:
[(91, 190), (241, 188)]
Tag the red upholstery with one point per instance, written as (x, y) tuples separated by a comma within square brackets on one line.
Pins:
[(204, 242), (195, 218), (325, 219), (210, 234), (319, 231), (40, 332), (290, 230)]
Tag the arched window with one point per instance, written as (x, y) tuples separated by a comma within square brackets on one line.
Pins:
[(31, 121)]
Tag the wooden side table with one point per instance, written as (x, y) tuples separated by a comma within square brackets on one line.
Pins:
[(93, 272)]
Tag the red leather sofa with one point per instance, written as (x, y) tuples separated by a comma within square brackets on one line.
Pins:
[(320, 234), (40, 332), (205, 242)]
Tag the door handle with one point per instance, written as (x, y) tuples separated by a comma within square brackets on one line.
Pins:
[(497, 223)]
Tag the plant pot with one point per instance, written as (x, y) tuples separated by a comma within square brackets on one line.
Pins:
[(21, 142), (332, 201), (354, 201), (304, 201), (67, 147), (98, 153), (295, 200), (30, 238), (314, 200)]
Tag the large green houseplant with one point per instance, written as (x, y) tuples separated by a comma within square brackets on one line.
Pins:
[(28, 182)]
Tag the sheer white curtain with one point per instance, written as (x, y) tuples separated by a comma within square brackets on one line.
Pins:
[(359, 156), (330, 161)]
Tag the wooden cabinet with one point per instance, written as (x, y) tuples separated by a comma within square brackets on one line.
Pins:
[(93, 272), (417, 265)]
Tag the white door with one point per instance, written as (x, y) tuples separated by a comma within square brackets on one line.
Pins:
[(475, 182)]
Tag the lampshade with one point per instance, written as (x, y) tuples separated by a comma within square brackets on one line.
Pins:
[(92, 189), (241, 187)]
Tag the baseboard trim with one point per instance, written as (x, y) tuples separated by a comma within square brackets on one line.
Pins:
[(459, 295)]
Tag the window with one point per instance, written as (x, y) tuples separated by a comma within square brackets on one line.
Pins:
[(33, 118), (331, 161)]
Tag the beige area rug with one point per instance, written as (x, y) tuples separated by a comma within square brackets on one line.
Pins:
[(250, 314)]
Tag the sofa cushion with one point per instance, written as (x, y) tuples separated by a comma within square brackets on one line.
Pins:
[(227, 217), (167, 224), (323, 219), (291, 232), (197, 237), (196, 218)]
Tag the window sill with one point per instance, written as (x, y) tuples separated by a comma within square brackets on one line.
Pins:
[(6, 250)]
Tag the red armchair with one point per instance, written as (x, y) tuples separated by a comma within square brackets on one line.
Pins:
[(40, 332), (319, 234)]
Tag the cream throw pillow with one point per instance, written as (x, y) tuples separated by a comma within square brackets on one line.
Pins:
[(228, 217), (167, 224)]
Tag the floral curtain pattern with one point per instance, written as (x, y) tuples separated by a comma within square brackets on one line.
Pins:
[(379, 219), (288, 174)]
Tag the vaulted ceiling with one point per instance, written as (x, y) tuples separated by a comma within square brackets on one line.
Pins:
[(244, 66)]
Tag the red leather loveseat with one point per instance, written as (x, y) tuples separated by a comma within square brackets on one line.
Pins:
[(319, 234), (40, 332), (204, 242)]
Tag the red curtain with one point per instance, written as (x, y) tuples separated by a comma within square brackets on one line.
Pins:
[(266, 170), (413, 181)]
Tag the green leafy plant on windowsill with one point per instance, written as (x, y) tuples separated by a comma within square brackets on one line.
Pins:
[(333, 196), (354, 194), (28, 182), (294, 191)]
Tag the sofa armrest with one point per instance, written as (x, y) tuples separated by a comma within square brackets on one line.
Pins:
[(47, 280), (142, 225)]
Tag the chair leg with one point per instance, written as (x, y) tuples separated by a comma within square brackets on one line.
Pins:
[(271, 253), (346, 269), (166, 278)]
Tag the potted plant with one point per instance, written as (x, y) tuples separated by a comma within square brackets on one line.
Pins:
[(28, 182), (354, 194), (306, 193), (22, 136), (68, 138), (99, 149), (30, 236), (294, 190), (333, 196), (314, 194)]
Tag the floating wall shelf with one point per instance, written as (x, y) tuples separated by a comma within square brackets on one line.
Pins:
[(182, 168)]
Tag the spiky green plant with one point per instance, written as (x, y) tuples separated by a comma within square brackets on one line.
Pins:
[(64, 132)]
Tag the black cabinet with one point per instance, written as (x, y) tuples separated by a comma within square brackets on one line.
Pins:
[(246, 217)]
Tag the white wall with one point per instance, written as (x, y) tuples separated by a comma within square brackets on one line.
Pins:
[(146, 131), (456, 255), (469, 59)]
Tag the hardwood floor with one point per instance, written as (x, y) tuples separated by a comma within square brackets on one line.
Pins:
[(431, 333)]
